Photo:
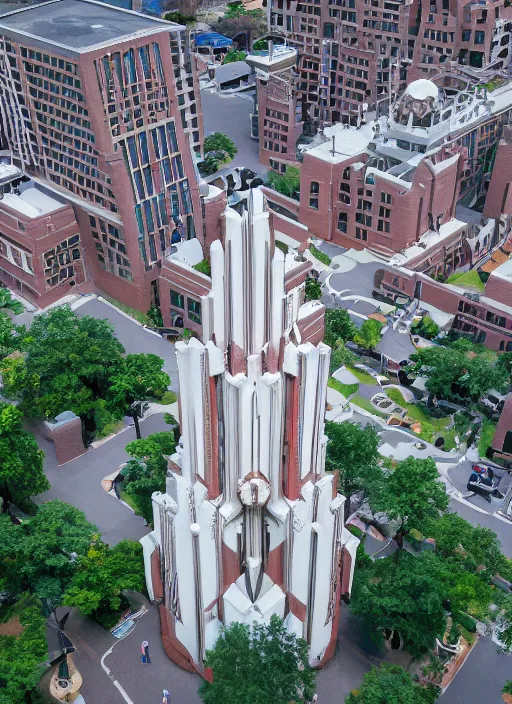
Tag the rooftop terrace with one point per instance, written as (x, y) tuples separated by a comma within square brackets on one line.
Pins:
[(78, 25)]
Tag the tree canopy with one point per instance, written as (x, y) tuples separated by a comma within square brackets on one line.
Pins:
[(261, 665), (287, 183), (341, 356), (338, 326), (66, 364), (426, 327), (403, 593), (456, 372), (22, 657), (390, 684), (474, 547), (100, 577), (136, 378), (38, 556), (147, 471), (21, 460), (410, 495), (313, 289), (353, 451), (368, 335)]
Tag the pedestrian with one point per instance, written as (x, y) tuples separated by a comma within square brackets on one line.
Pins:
[(144, 650), (166, 699)]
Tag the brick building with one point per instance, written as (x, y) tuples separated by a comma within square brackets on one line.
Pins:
[(393, 185), (98, 106), (352, 53)]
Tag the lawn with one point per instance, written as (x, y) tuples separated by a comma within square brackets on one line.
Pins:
[(469, 280), (132, 312), (345, 389), (486, 437), (362, 377), (429, 426), (318, 254), (366, 405)]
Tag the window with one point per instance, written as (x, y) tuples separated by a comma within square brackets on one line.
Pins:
[(479, 37), (384, 212), (314, 192), (328, 30), (466, 35), (386, 198), (361, 234), (177, 299), (342, 222), (383, 226), (194, 310)]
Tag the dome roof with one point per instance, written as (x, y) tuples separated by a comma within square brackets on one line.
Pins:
[(422, 89)]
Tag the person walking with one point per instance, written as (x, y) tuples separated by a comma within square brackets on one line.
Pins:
[(166, 697), (144, 652)]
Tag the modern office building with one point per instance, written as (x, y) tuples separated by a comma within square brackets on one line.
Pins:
[(250, 524), (98, 106)]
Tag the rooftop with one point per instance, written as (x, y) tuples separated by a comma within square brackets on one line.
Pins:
[(344, 141), (32, 202), (78, 25), (504, 271)]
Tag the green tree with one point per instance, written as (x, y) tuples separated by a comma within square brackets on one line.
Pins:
[(505, 362), (507, 687), (7, 302), (137, 377), (232, 56), (219, 142), (403, 593), (288, 183), (313, 289), (459, 373), (39, 555), (147, 471), (238, 20), (179, 18), (22, 657), (368, 335), (100, 577), (391, 684), (258, 665), (341, 356), (338, 327), (426, 327), (410, 495), (21, 460), (474, 547), (66, 366), (353, 451), (11, 335)]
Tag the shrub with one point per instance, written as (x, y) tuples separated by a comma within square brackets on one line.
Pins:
[(318, 254), (233, 56), (464, 620), (219, 142), (287, 184), (179, 18), (168, 398), (426, 327), (155, 315), (203, 267), (313, 289)]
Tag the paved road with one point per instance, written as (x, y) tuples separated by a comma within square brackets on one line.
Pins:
[(78, 483), (230, 114), (142, 683), (481, 678), (133, 337)]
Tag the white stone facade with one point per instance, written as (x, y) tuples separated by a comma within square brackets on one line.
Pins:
[(250, 524)]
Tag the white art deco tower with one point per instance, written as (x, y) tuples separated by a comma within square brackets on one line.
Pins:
[(250, 524)]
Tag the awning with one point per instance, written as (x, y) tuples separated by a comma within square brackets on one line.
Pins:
[(213, 39)]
